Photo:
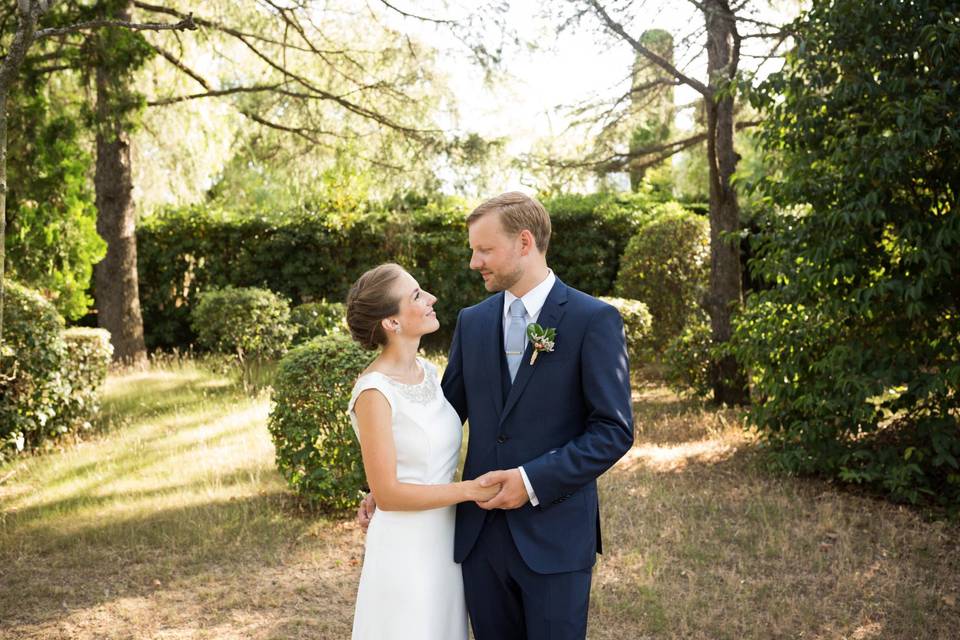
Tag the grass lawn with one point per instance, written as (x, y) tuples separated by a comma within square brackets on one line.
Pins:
[(175, 524)]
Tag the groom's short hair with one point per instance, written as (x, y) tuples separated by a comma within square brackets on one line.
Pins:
[(518, 211)]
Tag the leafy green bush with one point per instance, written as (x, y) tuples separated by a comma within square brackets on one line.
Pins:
[(85, 370), (666, 266), (317, 451), (249, 323), (32, 386), (637, 325), (51, 237), (315, 319), (854, 350), (688, 359)]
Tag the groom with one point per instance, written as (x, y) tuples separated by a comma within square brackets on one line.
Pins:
[(544, 428)]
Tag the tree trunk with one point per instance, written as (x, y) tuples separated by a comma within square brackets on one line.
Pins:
[(116, 283), (726, 294)]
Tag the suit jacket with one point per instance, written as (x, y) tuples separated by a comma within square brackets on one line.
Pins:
[(566, 419)]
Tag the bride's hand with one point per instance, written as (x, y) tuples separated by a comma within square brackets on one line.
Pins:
[(477, 493)]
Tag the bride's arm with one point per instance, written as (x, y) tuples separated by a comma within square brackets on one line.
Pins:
[(380, 464)]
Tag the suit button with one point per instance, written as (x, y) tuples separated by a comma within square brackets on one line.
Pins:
[(501, 439)]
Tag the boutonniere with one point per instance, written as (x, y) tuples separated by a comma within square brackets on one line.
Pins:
[(542, 339)]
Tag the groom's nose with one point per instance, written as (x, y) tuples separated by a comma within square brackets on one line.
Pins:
[(475, 262)]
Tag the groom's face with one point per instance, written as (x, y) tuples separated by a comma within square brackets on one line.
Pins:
[(496, 255)]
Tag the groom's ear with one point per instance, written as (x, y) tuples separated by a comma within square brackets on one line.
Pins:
[(527, 242)]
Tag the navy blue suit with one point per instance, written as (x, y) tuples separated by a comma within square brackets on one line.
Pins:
[(566, 419)]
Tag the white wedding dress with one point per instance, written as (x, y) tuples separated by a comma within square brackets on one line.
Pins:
[(410, 587)]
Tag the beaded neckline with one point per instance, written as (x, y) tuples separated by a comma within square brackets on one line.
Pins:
[(421, 392)]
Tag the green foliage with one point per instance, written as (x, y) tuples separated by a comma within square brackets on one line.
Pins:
[(315, 319), (317, 451), (85, 370), (307, 257), (32, 385), (51, 241), (638, 327), (249, 323), (854, 351), (689, 357), (665, 265)]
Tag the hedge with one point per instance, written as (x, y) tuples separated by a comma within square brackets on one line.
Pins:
[(308, 258)]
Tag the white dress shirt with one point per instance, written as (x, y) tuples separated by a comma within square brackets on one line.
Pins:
[(533, 302)]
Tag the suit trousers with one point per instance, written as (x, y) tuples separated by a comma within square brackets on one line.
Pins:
[(509, 601)]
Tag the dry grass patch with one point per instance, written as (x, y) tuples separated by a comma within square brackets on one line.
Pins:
[(704, 544), (175, 525)]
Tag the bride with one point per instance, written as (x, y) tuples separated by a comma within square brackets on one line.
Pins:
[(410, 437)]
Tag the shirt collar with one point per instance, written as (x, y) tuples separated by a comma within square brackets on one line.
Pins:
[(534, 299)]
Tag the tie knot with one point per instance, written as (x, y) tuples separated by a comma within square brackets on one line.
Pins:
[(517, 310)]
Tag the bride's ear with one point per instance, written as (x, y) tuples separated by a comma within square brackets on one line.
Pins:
[(390, 325)]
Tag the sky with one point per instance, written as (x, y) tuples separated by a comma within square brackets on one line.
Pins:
[(578, 64)]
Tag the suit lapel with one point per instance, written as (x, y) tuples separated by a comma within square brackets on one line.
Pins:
[(550, 316), (493, 348)]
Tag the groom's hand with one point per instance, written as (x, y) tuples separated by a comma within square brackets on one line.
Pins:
[(513, 493)]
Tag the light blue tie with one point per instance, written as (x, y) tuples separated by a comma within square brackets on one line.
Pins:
[(516, 338)]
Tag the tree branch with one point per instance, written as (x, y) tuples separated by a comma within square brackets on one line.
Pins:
[(315, 91), (215, 93), (650, 55), (178, 63), (655, 154), (410, 15), (186, 24)]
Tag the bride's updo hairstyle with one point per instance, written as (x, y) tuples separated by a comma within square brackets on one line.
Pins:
[(371, 299)]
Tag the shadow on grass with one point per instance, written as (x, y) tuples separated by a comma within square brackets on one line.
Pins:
[(152, 398), (145, 454), (77, 566)]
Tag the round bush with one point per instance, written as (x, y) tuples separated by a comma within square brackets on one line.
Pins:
[(688, 358), (637, 324), (32, 354), (315, 319), (85, 370), (246, 322), (317, 451), (666, 266)]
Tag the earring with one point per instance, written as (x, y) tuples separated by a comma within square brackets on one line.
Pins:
[(397, 328)]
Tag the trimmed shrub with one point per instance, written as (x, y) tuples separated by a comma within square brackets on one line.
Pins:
[(315, 319), (317, 451), (32, 387), (688, 359), (637, 324), (246, 322), (249, 323), (85, 370), (666, 266)]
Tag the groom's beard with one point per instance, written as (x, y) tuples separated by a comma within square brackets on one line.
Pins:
[(504, 281)]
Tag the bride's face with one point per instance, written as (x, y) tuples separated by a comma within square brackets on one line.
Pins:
[(416, 316)]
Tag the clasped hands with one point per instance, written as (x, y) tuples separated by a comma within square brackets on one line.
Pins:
[(512, 494)]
